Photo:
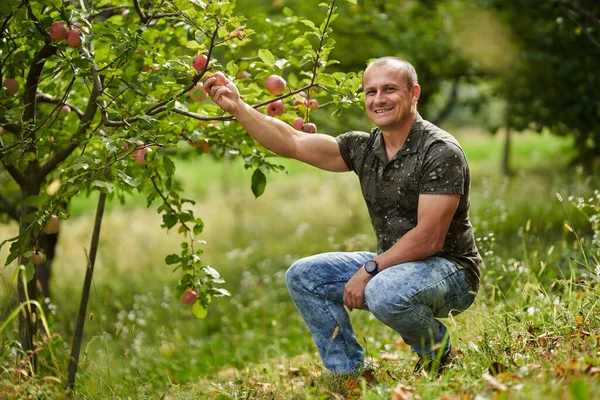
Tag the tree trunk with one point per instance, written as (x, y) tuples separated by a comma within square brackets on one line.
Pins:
[(85, 294)]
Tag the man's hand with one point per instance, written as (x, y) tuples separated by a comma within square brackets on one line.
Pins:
[(226, 96), (354, 292)]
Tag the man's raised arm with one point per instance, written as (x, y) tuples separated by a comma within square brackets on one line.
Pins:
[(319, 150)]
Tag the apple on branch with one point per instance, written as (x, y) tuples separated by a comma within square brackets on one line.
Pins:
[(58, 31), (11, 85), (275, 108), (309, 128), (220, 79), (52, 226), (298, 124), (75, 37), (198, 93), (64, 110), (199, 62), (189, 297), (38, 257), (275, 84)]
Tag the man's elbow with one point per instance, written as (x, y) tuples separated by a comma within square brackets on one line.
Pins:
[(435, 244)]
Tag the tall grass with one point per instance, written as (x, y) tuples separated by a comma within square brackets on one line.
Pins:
[(533, 332)]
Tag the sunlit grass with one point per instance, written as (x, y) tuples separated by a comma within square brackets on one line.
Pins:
[(536, 317)]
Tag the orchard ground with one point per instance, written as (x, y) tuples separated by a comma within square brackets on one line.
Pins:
[(532, 334)]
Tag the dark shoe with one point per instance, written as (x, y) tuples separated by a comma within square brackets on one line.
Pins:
[(433, 366)]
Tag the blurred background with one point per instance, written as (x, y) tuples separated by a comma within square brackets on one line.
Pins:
[(516, 82)]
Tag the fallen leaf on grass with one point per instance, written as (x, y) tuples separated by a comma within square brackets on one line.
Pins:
[(402, 392), (494, 383)]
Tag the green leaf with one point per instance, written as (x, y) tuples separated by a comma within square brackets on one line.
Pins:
[(211, 272), (172, 259), (199, 310), (34, 201), (259, 182), (266, 56), (127, 179), (232, 68), (194, 45), (352, 1), (308, 23), (220, 292), (169, 165), (104, 186)]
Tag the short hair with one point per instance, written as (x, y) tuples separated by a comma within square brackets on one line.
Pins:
[(410, 74)]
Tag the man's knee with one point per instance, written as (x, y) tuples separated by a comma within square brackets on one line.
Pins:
[(384, 302), (295, 276)]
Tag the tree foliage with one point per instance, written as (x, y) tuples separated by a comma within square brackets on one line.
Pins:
[(112, 114)]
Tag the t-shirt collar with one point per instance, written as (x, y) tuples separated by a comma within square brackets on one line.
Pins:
[(410, 146)]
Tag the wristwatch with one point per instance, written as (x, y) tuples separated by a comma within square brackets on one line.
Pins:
[(371, 267)]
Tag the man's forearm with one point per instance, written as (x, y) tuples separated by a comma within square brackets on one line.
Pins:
[(414, 245), (270, 132)]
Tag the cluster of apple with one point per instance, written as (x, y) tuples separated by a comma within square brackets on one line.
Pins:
[(276, 85), (51, 227), (59, 31)]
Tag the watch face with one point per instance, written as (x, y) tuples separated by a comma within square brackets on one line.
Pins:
[(371, 266)]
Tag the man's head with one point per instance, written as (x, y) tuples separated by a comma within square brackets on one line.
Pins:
[(410, 74), (391, 93)]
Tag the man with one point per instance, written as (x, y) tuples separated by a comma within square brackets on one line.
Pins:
[(415, 181)]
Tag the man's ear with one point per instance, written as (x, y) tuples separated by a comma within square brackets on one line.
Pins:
[(415, 92)]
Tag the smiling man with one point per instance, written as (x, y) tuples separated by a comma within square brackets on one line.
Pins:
[(415, 180)]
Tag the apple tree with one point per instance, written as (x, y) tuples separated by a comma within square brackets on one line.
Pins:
[(103, 96)]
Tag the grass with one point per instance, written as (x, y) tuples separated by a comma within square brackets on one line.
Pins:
[(533, 332)]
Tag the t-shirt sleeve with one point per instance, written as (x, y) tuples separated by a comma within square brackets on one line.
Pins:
[(444, 170), (353, 145)]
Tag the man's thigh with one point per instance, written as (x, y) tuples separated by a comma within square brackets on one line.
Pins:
[(434, 282), (327, 274)]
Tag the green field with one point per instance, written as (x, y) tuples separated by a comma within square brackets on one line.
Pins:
[(534, 332)]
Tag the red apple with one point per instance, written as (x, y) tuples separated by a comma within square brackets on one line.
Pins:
[(140, 153), (58, 31), (298, 124), (303, 94), (275, 108), (199, 62), (37, 257), (198, 93), (189, 297), (125, 12), (313, 104), (309, 128), (275, 84), (52, 226), (75, 37), (64, 110), (11, 85), (220, 79)]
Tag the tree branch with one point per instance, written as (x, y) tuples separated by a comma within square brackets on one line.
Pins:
[(84, 124), (14, 173), (46, 98), (33, 77)]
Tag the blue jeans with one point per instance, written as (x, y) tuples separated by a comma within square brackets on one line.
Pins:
[(406, 297)]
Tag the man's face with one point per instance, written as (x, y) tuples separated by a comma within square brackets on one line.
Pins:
[(389, 102)]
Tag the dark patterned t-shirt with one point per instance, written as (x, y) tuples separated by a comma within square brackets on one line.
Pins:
[(430, 162)]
